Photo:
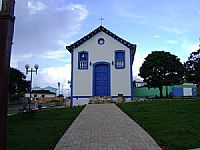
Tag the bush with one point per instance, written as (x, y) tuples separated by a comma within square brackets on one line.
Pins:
[(15, 98)]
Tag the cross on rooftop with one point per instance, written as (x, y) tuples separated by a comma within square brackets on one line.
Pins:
[(101, 19)]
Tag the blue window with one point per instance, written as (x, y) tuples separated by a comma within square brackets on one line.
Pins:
[(83, 60), (119, 59)]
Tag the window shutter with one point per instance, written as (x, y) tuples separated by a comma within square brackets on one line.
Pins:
[(119, 59), (82, 60)]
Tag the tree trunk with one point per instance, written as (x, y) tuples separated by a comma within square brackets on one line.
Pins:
[(166, 87), (161, 94)]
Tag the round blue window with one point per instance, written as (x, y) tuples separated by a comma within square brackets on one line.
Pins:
[(101, 41)]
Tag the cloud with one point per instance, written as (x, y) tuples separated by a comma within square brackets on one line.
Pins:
[(79, 8), (174, 42), (172, 29), (192, 47), (45, 25), (15, 59), (173, 18), (42, 30), (156, 36), (36, 6), (138, 60), (58, 54), (129, 11), (52, 75)]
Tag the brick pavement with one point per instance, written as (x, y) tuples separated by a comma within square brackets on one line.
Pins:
[(105, 127)]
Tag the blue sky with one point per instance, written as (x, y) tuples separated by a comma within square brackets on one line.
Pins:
[(44, 27)]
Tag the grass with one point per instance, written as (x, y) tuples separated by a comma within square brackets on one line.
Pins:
[(42, 132), (174, 124)]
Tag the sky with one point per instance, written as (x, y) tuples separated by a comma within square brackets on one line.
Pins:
[(44, 27)]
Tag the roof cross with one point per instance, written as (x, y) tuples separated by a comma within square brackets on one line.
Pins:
[(101, 20)]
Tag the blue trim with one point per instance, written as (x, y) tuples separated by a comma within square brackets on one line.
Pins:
[(194, 92), (82, 96), (178, 91), (101, 40), (109, 77), (72, 73), (117, 52), (131, 71), (91, 96), (123, 96), (93, 80), (79, 59)]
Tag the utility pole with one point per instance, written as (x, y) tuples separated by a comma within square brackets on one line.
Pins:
[(6, 35)]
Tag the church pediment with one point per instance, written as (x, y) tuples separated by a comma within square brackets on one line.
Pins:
[(96, 31)]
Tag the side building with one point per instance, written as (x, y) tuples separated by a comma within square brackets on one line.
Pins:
[(186, 89), (45, 94)]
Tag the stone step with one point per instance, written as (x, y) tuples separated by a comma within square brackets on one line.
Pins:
[(100, 99)]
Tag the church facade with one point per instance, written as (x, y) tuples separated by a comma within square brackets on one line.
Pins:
[(101, 66)]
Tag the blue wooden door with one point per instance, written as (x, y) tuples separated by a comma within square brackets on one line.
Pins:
[(102, 80)]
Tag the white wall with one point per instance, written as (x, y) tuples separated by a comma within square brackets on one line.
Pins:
[(120, 78), (80, 101), (187, 91)]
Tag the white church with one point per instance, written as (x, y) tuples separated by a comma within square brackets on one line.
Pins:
[(101, 66)]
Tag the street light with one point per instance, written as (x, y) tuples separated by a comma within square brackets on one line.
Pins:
[(31, 70)]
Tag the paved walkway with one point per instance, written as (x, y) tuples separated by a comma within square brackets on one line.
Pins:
[(105, 127)]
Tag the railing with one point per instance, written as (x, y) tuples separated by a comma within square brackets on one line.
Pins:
[(83, 65), (119, 63)]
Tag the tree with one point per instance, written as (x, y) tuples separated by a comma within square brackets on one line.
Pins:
[(17, 83), (192, 69), (161, 69)]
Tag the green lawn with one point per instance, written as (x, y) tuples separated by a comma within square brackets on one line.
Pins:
[(174, 124), (42, 132)]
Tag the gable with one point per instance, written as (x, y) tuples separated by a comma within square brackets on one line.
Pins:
[(96, 31), (109, 44)]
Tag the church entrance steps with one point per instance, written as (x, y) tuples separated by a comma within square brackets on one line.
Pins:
[(100, 99)]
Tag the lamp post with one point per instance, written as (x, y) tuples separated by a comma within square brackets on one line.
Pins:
[(31, 70)]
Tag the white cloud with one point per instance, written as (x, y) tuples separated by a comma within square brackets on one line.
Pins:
[(36, 6), (193, 47), (138, 60), (53, 54), (83, 13), (50, 24), (52, 75), (15, 58), (189, 47), (172, 42), (172, 29), (156, 36), (42, 29), (61, 43)]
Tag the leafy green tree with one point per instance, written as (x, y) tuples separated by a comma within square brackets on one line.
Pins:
[(192, 69), (17, 83), (161, 69)]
